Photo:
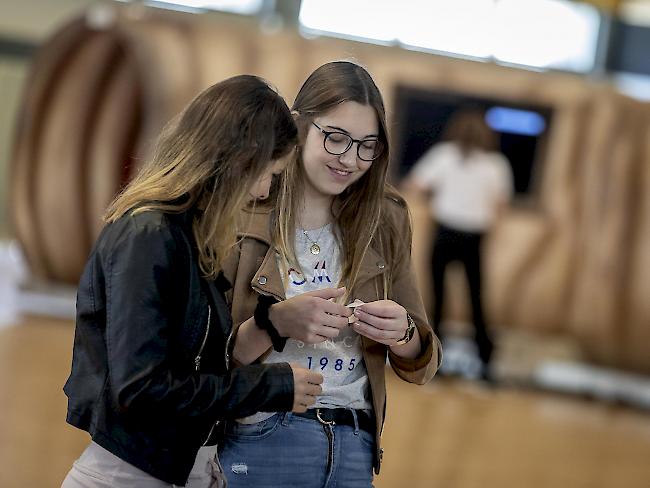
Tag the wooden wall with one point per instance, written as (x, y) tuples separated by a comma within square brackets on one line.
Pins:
[(575, 260)]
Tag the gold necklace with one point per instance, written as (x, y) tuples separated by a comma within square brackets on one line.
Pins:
[(314, 248)]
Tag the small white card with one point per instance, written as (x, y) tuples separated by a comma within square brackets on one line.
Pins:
[(353, 318)]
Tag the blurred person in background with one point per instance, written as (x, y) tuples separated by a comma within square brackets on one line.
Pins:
[(468, 183), (334, 233), (151, 370)]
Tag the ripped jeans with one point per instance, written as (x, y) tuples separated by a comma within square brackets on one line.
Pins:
[(290, 451)]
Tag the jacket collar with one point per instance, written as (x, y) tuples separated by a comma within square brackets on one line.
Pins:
[(256, 224)]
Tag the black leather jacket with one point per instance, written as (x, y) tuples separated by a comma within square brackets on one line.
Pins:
[(150, 368)]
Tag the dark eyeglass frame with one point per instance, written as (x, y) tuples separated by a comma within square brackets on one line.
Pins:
[(327, 133)]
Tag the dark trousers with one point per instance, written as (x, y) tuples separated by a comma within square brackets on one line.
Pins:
[(454, 245)]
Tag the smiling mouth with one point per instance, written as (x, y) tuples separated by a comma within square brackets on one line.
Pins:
[(340, 172)]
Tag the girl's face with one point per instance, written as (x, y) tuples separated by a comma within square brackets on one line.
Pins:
[(329, 174), (260, 189)]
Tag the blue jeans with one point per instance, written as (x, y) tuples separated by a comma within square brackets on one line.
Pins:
[(290, 451)]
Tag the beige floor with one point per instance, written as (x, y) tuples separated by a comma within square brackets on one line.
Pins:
[(448, 434)]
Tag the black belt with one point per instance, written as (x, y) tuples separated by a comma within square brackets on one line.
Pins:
[(340, 416)]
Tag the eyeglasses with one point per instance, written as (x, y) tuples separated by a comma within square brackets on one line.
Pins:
[(337, 143)]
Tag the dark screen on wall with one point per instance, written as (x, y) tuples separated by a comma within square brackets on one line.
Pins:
[(421, 116)]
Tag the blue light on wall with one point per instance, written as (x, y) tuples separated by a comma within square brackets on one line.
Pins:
[(515, 121)]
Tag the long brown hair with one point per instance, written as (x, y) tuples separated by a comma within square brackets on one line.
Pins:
[(359, 209), (468, 129), (208, 157)]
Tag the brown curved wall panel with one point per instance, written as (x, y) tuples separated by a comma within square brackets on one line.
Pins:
[(111, 144), (165, 66), (49, 63), (60, 186), (574, 260)]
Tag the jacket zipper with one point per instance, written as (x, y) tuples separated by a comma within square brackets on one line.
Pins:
[(197, 359), (197, 364), (210, 433), (227, 354)]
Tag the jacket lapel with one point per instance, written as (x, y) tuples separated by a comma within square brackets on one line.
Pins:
[(372, 265), (267, 279), (256, 231), (256, 225)]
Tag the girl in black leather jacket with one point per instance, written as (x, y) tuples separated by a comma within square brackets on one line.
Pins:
[(151, 371)]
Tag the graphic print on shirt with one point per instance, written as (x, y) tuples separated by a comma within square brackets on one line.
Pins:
[(320, 272), (320, 275), (338, 359), (337, 355), (296, 277)]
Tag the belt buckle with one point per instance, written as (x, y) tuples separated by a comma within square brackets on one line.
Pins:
[(324, 422)]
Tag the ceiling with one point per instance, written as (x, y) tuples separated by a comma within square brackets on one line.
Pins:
[(631, 11)]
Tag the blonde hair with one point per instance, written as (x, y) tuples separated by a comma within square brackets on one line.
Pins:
[(360, 210), (207, 159)]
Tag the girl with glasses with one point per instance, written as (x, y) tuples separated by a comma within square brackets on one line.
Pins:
[(323, 279), (151, 371)]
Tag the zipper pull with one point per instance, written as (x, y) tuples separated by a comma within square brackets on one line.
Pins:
[(197, 362)]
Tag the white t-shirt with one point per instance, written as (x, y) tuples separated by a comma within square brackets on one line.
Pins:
[(339, 360), (466, 190)]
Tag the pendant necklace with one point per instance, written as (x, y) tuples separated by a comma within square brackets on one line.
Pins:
[(314, 248)]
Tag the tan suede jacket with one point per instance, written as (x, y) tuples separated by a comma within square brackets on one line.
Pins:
[(253, 271)]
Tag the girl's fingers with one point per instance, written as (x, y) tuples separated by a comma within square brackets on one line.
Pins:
[(327, 332), (336, 309), (377, 322), (336, 321), (375, 334), (382, 308)]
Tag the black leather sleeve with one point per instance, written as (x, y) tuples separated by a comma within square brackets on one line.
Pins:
[(141, 277)]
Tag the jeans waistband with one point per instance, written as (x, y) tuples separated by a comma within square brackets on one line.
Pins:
[(340, 416)]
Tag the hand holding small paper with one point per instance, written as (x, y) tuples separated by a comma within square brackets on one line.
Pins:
[(382, 321), (353, 318)]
